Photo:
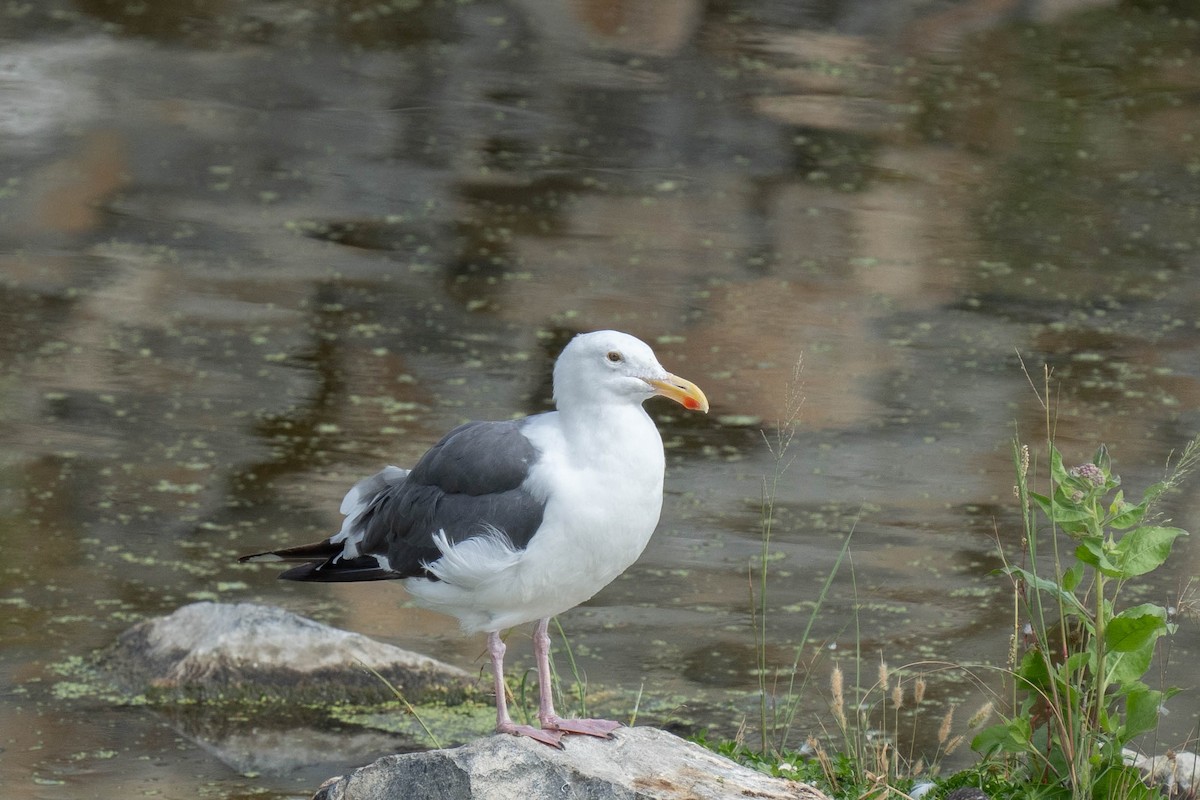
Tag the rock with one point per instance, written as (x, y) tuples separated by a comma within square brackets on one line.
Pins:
[(641, 763), (1177, 772), (295, 750), (968, 793), (221, 651)]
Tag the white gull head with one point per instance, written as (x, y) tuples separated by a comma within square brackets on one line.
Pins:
[(606, 367)]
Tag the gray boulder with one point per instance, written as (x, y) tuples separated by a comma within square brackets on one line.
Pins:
[(1177, 772), (641, 763), (248, 652)]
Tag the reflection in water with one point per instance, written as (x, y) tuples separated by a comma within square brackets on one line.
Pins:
[(251, 251)]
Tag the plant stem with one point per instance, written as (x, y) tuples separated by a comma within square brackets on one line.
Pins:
[(580, 688), (1101, 666), (761, 628)]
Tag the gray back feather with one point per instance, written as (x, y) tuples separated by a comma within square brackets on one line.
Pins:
[(467, 484)]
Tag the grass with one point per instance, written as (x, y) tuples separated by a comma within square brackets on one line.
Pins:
[(1078, 694), (408, 707)]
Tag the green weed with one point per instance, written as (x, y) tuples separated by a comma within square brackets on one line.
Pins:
[(1078, 696), (1080, 655)]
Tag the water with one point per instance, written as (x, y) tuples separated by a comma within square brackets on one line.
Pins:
[(252, 251)]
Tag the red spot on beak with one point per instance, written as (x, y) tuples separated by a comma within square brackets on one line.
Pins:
[(690, 404)]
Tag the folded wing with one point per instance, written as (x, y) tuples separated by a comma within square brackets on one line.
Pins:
[(472, 483)]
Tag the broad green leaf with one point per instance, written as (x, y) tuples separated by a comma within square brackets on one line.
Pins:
[(1145, 549), (1124, 668), (1125, 515), (1141, 710), (1010, 737), (1072, 577), (1033, 671), (1061, 511), (1092, 552), (1121, 782), (1076, 663), (1142, 610), (1045, 585), (1057, 471), (1135, 628)]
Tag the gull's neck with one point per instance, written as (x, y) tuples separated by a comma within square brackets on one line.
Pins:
[(608, 426)]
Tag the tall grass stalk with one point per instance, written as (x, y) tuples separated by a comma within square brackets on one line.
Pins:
[(580, 680), (778, 445), (779, 704), (403, 701), (524, 694), (793, 694)]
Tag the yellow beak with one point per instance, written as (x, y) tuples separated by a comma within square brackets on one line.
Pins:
[(682, 391)]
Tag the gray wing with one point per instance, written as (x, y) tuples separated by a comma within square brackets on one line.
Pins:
[(467, 484)]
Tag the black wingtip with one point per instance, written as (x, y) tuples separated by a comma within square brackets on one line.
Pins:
[(314, 551), (258, 558), (340, 571)]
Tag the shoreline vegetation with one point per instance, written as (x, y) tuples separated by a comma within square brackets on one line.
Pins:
[(1079, 694), (1071, 710)]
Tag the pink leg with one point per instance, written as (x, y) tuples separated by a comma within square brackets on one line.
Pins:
[(504, 723), (551, 721)]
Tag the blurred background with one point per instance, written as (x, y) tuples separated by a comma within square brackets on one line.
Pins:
[(251, 250)]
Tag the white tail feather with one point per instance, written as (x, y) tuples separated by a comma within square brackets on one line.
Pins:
[(356, 501), (472, 562)]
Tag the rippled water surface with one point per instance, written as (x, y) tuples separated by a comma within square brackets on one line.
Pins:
[(250, 251)]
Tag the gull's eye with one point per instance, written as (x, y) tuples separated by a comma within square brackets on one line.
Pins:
[(615, 357)]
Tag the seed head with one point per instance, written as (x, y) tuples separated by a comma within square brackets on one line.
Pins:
[(839, 697), (980, 716), (944, 730)]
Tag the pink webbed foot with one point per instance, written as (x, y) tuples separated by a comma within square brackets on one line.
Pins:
[(601, 728), (550, 737)]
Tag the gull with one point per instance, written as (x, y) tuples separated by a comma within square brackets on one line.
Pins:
[(504, 523)]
